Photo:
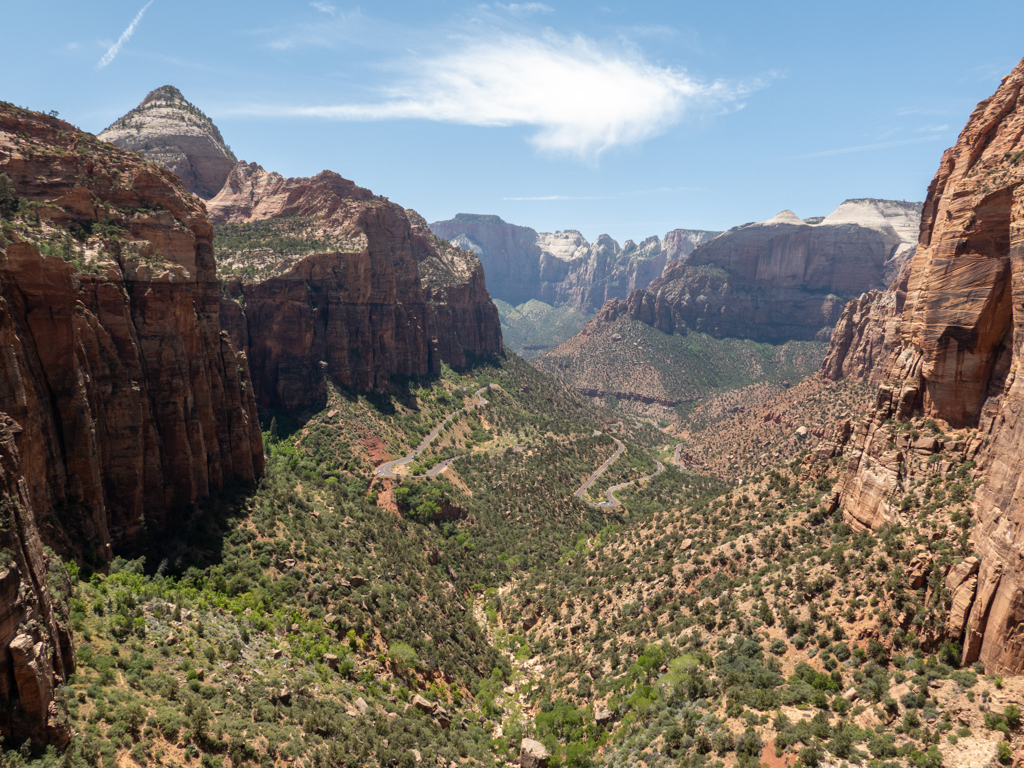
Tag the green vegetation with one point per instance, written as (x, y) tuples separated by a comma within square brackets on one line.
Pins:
[(645, 360), (255, 249), (533, 327)]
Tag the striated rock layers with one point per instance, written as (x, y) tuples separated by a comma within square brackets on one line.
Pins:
[(169, 131), (562, 268), (388, 298), (781, 279), (35, 644), (129, 399), (957, 357)]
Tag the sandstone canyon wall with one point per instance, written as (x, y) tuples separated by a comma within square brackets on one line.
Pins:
[(956, 356), (169, 131), (131, 399), (780, 279), (563, 268), (379, 297), (122, 401)]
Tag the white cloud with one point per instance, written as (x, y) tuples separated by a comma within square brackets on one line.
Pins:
[(582, 98), (125, 36), (324, 8)]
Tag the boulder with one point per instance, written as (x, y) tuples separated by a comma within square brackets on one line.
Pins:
[(533, 754)]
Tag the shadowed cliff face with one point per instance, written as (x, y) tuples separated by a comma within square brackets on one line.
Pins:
[(130, 399), (386, 299), (956, 356), (121, 401), (35, 644)]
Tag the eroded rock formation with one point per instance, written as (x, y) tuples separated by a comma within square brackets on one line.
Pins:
[(169, 131), (382, 297), (563, 268), (957, 358), (132, 403), (780, 279), (35, 644)]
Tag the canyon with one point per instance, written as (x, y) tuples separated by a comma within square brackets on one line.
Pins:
[(385, 298), (563, 268), (945, 343), (124, 401)]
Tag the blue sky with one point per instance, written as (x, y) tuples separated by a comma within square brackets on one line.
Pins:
[(626, 118)]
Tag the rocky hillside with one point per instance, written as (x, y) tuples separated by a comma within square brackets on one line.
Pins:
[(169, 131), (124, 402), (954, 367), (780, 279), (562, 268), (326, 278)]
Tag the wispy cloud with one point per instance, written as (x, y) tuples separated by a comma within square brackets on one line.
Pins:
[(524, 9), (581, 97), (867, 147), (324, 8), (124, 38)]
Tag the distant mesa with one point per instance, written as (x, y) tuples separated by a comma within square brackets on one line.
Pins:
[(169, 131), (782, 279)]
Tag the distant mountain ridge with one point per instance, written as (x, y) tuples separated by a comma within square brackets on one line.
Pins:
[(562, 268), (780, 279)]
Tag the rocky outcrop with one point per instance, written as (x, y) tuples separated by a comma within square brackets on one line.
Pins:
[(169, 131), (563, 268), (130, 400), (956, 359), (35, 644), (780, 279), (385, 298), (863, 338)]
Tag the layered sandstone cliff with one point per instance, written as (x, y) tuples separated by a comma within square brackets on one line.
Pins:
[(132, 403), (35, 644), (780, 279), (956, 358), (563, 268), (169, 131), (368, 292)]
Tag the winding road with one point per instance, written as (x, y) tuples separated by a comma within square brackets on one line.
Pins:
[(388, 469), (610, 500)]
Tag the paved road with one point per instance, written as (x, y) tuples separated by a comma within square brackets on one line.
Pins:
[(600, 470), (611, 501), (387, 470)]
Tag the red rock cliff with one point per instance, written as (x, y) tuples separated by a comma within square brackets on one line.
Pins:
[(385, 297), (131, 401), (35, 644), (958, 358)]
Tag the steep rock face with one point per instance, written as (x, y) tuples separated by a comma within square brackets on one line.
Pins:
[(780, 279), (169, 131), (957, 358), (563, 268), (864, 337), (384, 298), (131, 400), (35, 644)]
